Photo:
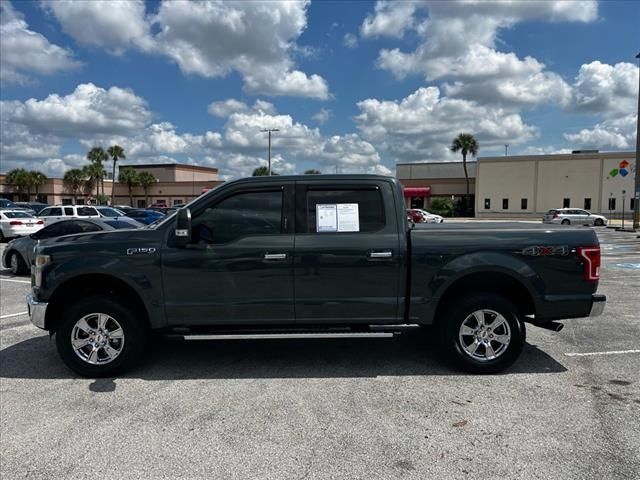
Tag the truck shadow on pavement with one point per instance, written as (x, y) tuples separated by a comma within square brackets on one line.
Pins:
[(409, 354)]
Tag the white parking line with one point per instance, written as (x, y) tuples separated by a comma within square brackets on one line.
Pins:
[(2, 317), (612, 352), (15, 281)]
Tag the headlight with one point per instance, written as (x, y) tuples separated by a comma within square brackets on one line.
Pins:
[(42, 260)]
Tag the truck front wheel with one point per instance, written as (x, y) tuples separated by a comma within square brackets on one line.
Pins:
[(483, 333), (99, 337)]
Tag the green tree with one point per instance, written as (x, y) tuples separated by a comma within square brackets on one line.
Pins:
[(465, 143), (131, 178), (312, 171), (37, 180), (116, 152), (261, 172), (145, 180), (20, 179), (97, 156), (96, 172), (73, 181), (441, 206), (89, 180)]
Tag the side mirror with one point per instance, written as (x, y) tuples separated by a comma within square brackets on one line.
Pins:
[(183, 227)]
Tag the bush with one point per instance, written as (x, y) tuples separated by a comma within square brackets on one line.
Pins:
[(441, 206)]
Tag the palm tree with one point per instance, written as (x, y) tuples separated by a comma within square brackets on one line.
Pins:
[(145, 180), (19, 178), (130, 177), (312, 171), (465, 143), (96, 156), (116, 152), (87, 179), (73, 181), (95, 171), (261, 172), (37, 180)]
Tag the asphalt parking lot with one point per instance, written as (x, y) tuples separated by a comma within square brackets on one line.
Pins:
[(347, 408)]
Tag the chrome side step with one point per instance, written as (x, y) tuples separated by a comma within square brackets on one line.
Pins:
[(269, 336)]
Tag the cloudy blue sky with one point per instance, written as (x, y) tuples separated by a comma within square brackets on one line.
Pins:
[(353, 86)]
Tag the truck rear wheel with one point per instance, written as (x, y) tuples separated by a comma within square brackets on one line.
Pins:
[(483, 333), (99, 337)]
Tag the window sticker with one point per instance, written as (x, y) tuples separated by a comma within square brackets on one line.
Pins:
[(348, 217), (326, 218)]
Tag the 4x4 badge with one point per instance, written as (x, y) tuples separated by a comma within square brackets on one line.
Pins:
[(141, 250)]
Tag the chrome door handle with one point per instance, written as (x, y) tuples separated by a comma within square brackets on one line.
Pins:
[(386, 254), (275, 256)]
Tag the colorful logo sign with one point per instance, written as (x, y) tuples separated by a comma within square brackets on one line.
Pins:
[(622, 170)]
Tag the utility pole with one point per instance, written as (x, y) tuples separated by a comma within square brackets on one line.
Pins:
[(636, 189), (269, 130), (506, 148)]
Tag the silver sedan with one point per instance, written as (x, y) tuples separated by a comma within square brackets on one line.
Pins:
[(574, 216)]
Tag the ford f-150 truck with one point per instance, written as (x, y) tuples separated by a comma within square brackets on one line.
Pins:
[(310, 255)]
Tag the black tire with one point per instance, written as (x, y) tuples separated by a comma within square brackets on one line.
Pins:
[(134, 336), (462, 311), (598, 222), (566, 222), (17, 265)]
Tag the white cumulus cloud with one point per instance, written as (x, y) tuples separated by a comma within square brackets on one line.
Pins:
[(24, 52)]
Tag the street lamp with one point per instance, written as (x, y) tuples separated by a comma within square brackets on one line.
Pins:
[(636, 192), (269, 130)]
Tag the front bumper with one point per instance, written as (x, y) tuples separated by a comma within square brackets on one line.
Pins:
[(37, 311), (597, 307)]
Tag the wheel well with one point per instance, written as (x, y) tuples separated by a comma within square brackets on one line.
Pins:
[(487, 282), (87, 285)]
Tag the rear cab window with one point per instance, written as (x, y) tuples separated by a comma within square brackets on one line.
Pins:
[(338, 209)]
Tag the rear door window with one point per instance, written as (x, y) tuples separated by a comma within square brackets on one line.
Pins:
[(344, 210), (68, 211)]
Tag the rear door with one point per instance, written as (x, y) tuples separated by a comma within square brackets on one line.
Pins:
[(347, 253)]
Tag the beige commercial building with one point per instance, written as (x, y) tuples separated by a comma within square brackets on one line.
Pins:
[(530, 185), (175, 184), (425, 181)]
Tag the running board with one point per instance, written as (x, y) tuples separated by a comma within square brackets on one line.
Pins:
[(280, 336)]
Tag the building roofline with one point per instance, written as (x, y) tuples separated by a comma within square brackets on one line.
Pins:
[(424, 162), (185, 166), (557, 156)]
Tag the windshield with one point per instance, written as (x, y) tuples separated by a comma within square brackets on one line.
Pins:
[(170, 215), (110, 212), (4, 203)]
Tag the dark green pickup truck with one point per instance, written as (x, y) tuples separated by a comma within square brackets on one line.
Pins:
[(310, 255)]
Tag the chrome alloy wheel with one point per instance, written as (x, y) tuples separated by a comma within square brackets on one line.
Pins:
[(97, 339), (484, 335)]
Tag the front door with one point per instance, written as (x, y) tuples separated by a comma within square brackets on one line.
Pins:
[(238, 270), (348, 258)]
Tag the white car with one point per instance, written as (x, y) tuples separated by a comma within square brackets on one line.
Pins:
[(430, 217), (65, 212), (574, 216), (17, 223)]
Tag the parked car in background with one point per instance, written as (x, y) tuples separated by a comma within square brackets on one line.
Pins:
[(16, 223), (4, 204), (422, 216), (65, 212), (163, 210), (123, 208), (574, 216), (109, 212), (19, 252), (145, 216), (37, 207)]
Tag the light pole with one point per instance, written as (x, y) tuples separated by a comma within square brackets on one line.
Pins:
[(269, 130), (636, 190)]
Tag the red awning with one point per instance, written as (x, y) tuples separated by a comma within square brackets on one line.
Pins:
[(417, 191)]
